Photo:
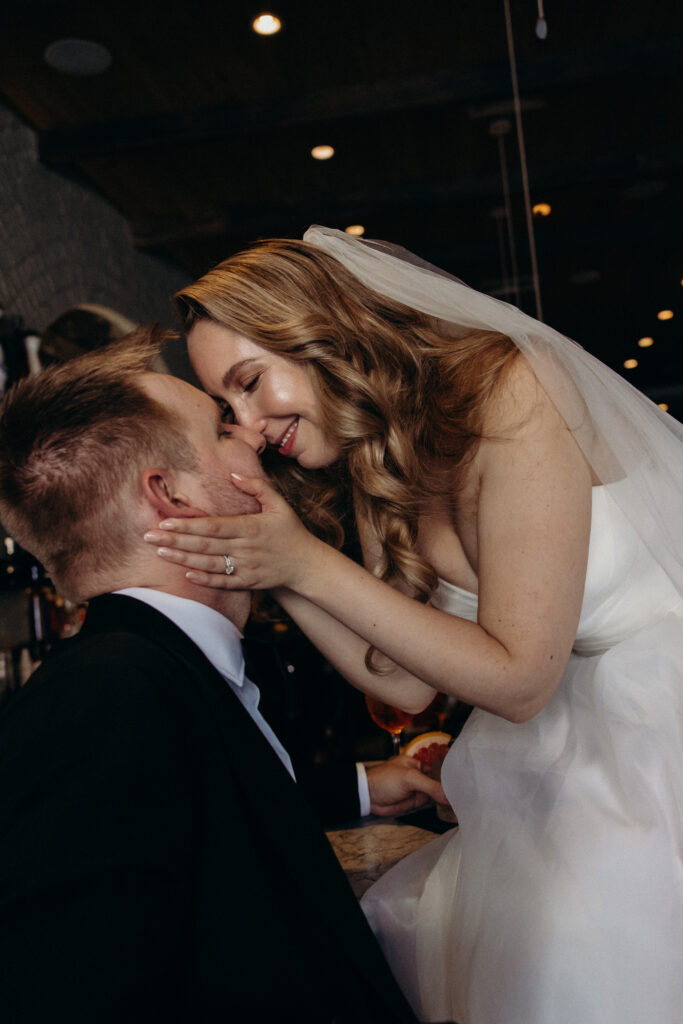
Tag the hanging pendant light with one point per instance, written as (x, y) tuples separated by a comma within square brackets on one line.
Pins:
[(541, 24)]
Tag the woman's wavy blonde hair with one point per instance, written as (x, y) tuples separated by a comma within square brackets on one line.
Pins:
[(400, 393)]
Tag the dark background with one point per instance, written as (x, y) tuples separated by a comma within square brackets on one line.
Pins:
[(200, 133)]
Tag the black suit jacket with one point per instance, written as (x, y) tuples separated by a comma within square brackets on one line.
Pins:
[(157, 862), (331, 788)]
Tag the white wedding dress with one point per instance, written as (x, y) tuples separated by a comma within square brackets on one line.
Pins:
[(559, 899)]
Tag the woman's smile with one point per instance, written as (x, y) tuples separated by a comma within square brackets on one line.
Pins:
[(286, 442), (263, 391)]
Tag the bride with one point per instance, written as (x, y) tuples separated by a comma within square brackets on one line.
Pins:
[(520, 510)]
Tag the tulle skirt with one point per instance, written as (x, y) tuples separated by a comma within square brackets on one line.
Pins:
[(559, 898)]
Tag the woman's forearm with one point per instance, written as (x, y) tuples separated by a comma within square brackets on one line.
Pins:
[(346, 650), (433, 650)]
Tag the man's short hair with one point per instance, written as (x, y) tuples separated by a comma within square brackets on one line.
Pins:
[(74, 441)]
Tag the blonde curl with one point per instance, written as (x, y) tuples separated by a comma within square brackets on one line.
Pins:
[(401, 394)]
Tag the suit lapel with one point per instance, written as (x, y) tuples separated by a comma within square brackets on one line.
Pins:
[(279, 811), (113, 613)]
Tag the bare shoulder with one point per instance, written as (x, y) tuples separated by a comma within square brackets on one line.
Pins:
[(526, 439), (519, 407)]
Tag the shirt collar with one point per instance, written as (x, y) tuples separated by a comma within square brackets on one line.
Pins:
[(217, 637)]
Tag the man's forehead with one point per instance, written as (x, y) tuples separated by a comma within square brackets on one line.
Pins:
[(173, 391)]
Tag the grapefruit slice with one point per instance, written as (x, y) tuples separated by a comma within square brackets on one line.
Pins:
[(429, 747)]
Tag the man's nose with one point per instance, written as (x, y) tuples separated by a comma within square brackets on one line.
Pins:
[(251, 437)]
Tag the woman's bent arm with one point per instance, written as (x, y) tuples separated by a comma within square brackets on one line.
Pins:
[(532, 532), (533, 527), (346, 650)]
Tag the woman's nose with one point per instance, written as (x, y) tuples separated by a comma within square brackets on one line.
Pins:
[(251, 437), (249, 418)]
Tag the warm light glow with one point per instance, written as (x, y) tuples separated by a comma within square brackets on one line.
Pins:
[(630, 364), (646, 342), (322, 152), (665, 314), (355, 229), (266, 24), (541, 209), (664, 406)]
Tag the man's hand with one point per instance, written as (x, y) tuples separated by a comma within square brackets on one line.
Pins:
[(399, 785)]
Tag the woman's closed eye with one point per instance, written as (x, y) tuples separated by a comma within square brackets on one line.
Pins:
[(250, 383)]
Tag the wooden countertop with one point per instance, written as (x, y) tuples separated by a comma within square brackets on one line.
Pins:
[(366, 852)]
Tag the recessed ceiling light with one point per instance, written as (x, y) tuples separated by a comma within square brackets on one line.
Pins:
[(77, 57), (630, 364), (322, 152), (665, 314), (266, 24), (355, 229), (646, 342), (541, 209)]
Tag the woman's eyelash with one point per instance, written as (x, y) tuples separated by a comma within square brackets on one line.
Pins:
[(227, 415)]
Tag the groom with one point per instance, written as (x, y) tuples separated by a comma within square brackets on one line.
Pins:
[(157, 862)]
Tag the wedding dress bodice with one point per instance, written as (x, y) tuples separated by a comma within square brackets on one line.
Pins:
[(625, 588)]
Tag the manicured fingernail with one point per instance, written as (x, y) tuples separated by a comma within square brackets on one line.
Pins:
[(237, 476), (166, 552), (154, 537), (166, 525)]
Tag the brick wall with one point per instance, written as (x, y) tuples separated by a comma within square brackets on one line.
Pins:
[(62, 244)]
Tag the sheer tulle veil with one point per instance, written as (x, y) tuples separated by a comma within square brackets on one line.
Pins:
[(634, 447)]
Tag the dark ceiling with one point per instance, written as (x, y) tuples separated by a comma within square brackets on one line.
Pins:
[(200, 133)]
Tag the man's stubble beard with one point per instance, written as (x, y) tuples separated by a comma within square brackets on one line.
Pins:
[(224, 499)]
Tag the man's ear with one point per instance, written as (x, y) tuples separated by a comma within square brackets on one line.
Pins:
[(160, 490)]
